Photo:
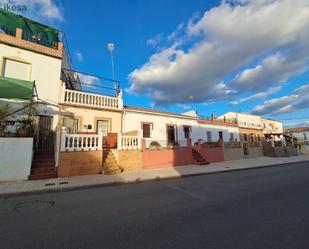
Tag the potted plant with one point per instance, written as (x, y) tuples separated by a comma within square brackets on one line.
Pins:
[(25, 128)]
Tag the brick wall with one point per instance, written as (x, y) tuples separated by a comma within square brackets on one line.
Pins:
[(80, 163), (111, 140), (130, 159), (19, 42)]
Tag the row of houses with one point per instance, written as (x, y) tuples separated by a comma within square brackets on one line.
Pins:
[(58, 122)]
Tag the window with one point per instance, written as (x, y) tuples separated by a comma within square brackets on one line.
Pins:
[(146, 130), (220, 135), (232, 137), (17, 70), (209, 136), (305, 136), (71, 125), (102, 127), (187, 131), (252, 138)]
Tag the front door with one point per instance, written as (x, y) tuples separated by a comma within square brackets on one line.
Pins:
[(246, 149), (45, 135), (171, 136), (102, 126)]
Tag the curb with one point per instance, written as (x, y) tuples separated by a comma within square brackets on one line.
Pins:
[(136, 181)]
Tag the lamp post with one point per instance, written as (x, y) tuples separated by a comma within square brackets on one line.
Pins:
[(111, 48)]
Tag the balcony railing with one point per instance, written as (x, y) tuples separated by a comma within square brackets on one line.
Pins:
[(91, 100), (126, 142), (80, 142)]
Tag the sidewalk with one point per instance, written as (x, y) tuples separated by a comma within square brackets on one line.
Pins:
[(77, 182)]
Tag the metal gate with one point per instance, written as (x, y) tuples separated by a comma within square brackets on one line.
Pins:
[(45, 134)]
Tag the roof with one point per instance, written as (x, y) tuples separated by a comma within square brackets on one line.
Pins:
[(297, 129), (217, 122), (140, 109), (203, 121)]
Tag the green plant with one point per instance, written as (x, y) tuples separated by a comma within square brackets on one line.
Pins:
[(5, 110)]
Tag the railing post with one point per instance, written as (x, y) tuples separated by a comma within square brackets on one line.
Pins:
[(119, 141), (100, 140), (62, 139), (120, 101), (143, 143), (189, 143), (57, 147)]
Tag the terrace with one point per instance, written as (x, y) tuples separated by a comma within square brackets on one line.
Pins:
[(82, 89), (24, 33)]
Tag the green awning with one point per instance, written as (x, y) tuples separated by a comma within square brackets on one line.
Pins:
[(15, 89)]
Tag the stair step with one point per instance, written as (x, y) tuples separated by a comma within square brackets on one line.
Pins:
[(42, 164), (42, 170), (43, 176), (111, 172)]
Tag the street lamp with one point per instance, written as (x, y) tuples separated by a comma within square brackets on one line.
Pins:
[(111, 48)]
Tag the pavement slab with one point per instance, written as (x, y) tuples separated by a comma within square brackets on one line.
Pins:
[(16, 188)]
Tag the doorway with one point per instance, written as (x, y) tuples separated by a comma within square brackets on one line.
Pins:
[(102, 126), (171, 134), (45, 135)]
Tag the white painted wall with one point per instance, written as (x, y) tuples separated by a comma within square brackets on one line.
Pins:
[(271, 126), (45, 70), (132, 121), (244, 120), (15, 158)]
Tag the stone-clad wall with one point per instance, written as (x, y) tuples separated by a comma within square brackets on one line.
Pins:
[(80, 163), (233, 154), (130, 160)]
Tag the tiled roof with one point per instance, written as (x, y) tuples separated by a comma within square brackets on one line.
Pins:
[(156, 111), (297, 129)]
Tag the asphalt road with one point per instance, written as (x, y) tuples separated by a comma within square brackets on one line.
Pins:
[(262, 208)]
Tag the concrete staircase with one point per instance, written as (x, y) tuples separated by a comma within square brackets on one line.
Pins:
[(198, 158), (43, 166), (110, 165)]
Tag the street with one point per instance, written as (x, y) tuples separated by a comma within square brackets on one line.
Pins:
[(265, 208)]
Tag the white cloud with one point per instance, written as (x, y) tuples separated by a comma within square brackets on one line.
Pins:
[(185, 107), (229, 38), (154, 41), (38, 9), (79, 56), (273, 69), (297, 101), (259, 95), (88, 79)]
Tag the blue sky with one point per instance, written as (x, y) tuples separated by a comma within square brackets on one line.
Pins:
[(213, 56)]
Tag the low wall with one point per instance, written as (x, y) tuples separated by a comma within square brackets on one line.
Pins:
[(80, 163), (255, 152), (130, 159), (166, 158), (16, 158), (211, 154), (290, 150), (233, 154)]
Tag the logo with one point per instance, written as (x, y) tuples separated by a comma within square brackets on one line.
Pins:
[(14, 7)]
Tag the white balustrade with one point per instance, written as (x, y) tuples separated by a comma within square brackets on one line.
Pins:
[(91, 99), (126, 142), (80, 142)]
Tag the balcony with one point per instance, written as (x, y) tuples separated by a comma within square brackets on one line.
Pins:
[(85, 90)]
